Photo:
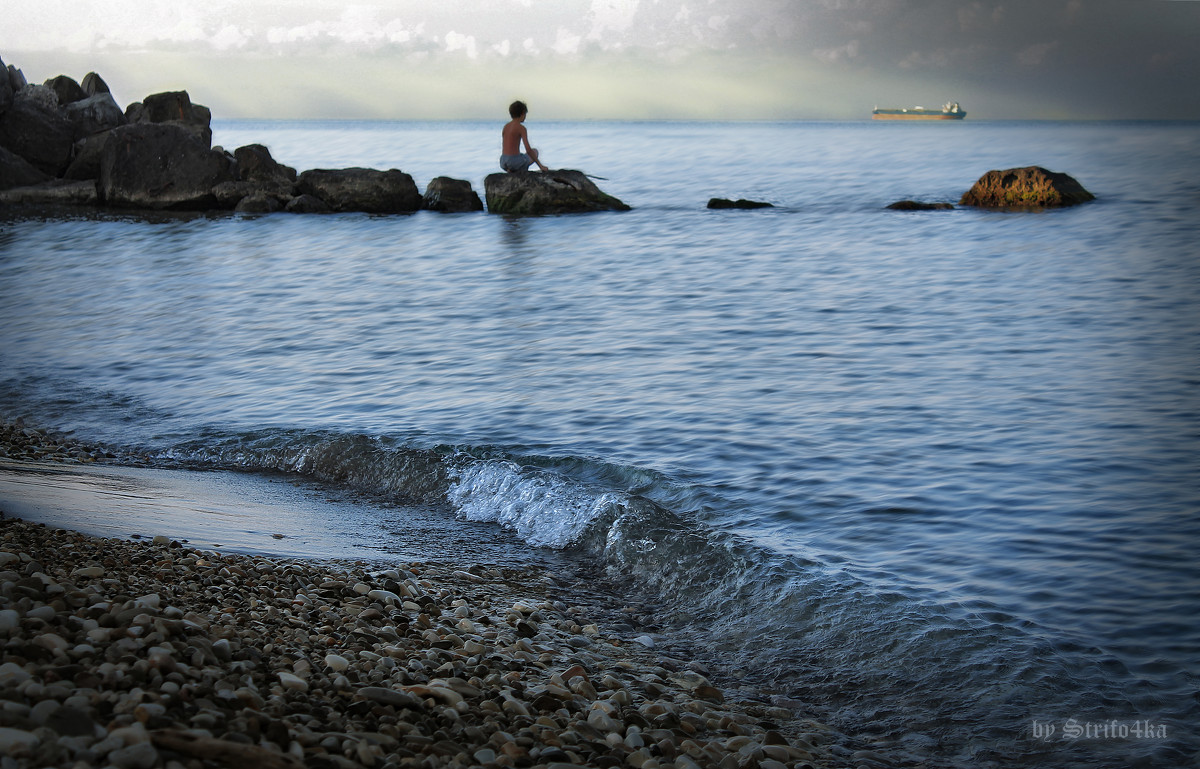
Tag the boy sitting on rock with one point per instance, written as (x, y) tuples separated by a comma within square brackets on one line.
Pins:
[(514, 133)]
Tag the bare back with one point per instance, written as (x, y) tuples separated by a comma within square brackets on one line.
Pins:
[(512, 136)]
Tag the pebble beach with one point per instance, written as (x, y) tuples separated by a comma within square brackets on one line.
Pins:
[(150, 653)]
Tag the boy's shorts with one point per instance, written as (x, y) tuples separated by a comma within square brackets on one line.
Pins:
[(518, 162)]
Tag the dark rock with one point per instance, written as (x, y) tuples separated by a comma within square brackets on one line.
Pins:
[(56, 192), (362, 189), (93, 84), (67, 90), (161, 166), (393, 697), (450, 196), (6, 89), (71, 722), (1030, 187), (255, 164), (914, 205), (173, 107), (42, 136), (307, 204), (546, 192), (43, 96), (88, 152), (16, 78), (16, 171), (258, 203), (95, 114), (741, 203)]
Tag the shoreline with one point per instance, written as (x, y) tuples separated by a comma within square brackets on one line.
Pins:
[(152, 652), (144, 654)]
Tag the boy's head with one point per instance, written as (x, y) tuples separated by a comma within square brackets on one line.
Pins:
[(517, 109)]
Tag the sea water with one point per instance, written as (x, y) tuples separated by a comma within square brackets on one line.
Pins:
[(930, 476)]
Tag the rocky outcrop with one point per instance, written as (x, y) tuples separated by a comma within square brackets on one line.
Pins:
[(450, 196), (306, 204), (741, 203), (362, 189), (916, 205), (546, 192), (161, 166), (1030, 187)]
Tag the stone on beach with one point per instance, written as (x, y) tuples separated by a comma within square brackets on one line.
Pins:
[(546, 192), (1029, 187)]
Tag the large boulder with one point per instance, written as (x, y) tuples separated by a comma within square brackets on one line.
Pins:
[(95, 114), (42, 136), (1030, 187), (450, 196), (93, 84), (67, 90), (173, 107), (546, 192), (362, 189), (161, 166), (16, 171), (255, 164)]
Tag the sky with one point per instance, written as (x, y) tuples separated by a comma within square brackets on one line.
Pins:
[(625, 59)]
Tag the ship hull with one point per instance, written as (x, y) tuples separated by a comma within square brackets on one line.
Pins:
[(914, 115)]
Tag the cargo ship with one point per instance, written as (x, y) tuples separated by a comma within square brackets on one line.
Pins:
[(949, 111)]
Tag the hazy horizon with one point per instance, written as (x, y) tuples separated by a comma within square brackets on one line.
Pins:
[(626, 59)]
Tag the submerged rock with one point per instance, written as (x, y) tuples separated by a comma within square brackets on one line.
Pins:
[(741, 203), (915, 205), (1030, 187), (362, 189), (546, 192), (450, 196)]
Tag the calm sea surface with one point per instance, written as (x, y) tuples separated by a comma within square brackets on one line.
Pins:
[(932, 474)]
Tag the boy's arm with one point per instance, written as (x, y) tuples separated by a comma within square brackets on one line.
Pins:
[(525, 138)]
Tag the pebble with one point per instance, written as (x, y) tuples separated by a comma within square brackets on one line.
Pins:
[(154, 656)]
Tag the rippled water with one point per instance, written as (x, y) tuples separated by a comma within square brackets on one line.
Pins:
[(932, 473)]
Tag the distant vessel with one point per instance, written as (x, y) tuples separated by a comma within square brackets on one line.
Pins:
[(949, 111)]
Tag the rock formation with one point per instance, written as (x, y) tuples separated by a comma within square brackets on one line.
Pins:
[(546, 192), (160, 166), (741, 203), (450, 196), (362, 189), (1030, 187), (915, 205)]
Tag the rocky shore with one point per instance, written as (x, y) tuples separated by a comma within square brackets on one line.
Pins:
[(146, 654), (140, 654)]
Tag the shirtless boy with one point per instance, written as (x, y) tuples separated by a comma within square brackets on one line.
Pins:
[(514, 134)]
